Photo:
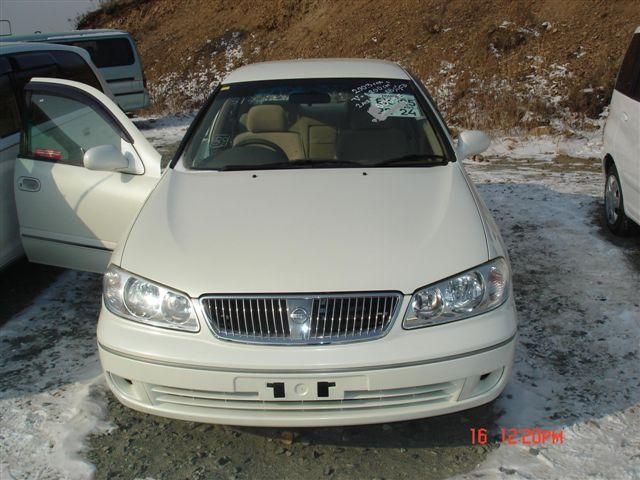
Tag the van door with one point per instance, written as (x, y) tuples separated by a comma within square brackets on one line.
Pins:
[(10, 247), (633, 171), (625, 127), (119, 63), (69, 215)]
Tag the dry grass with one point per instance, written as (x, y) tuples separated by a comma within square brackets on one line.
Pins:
[(507, 63)]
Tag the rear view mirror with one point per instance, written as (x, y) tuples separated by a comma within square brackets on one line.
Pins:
[(472, 142), (106, 158), (309, 98)]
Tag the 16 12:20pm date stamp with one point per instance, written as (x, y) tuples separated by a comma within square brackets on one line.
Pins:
[(518, 436)]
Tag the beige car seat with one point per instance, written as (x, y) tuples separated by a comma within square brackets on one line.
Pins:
[(370, 141), (319, 139), (269, 122)]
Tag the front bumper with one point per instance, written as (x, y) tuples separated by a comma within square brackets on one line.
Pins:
[(355, 397), (199, 378)]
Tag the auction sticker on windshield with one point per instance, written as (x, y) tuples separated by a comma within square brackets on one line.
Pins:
[(385, 105)]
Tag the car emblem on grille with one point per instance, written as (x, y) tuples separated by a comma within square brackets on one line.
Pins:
[(299, 315), (299, 310)]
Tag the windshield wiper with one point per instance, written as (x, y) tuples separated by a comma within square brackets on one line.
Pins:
[(291, 164), (407, 160), (411, 160)]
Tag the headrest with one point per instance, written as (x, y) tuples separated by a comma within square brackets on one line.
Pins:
[(267, 118)]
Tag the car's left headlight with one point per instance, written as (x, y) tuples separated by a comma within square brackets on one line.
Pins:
[(464, 295), (141, 300)]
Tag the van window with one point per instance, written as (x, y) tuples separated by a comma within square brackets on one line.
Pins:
[(57, 64), (73, 67), (9, 116), (628, 82), (60, 129), (108, 52)]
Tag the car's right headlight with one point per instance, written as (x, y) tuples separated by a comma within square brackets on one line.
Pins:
[(467, 294), (135, 298)]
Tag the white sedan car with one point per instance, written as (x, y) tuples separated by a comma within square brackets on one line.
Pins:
[(315, 254)]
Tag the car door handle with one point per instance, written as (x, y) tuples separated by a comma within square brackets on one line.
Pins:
[(29, 184), (625, 117)]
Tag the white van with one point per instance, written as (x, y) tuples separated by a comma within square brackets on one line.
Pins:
[(19, 62), (115, 55), (621, 162)]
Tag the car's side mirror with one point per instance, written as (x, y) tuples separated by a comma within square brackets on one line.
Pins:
[(472, 142), (106, 158)]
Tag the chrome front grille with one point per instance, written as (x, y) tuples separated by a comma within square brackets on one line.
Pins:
[(301, 319)]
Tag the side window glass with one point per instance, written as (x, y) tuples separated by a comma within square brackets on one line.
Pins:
[(73, 67), (108, 52), (61, 129), (636, 93), (31, 65), (9, 116), (629, 76), (57, 64)]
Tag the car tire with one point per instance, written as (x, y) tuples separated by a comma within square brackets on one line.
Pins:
[(614, 214)]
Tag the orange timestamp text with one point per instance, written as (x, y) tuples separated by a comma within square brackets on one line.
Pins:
[(518, 436)]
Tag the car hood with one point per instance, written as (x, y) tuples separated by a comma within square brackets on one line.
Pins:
[(307, 230)]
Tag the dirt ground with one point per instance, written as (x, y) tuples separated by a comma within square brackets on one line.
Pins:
[(20, 283), (144, 446)]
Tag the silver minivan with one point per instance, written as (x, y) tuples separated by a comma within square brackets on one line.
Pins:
[(115, 55)]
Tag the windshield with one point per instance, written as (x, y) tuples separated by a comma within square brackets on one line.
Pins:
[(314, 123)]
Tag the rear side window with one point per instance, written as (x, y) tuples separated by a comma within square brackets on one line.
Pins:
[(61, 129), (35, 64), (57, 64), (9, 116), (628, 82), (73, 67), (108, 52)]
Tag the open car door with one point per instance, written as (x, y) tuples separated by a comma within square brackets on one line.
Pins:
[(81, 176)]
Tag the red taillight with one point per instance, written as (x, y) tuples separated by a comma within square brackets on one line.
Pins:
[(47, 153)]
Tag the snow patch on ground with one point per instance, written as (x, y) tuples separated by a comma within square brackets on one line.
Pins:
[(582, 144), (162, 131), (165, 133), (51, 387), (576, 367)]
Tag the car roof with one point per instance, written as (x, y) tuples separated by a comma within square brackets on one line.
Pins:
[(70, 35), (317, 68), (15, 47)]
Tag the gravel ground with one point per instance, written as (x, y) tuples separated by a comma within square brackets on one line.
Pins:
[(146, 446), (20, 283)]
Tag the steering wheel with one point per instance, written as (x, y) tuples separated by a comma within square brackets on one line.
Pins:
[(261, 142)]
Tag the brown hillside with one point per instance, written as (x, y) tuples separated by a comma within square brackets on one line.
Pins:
[(492, 63)]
